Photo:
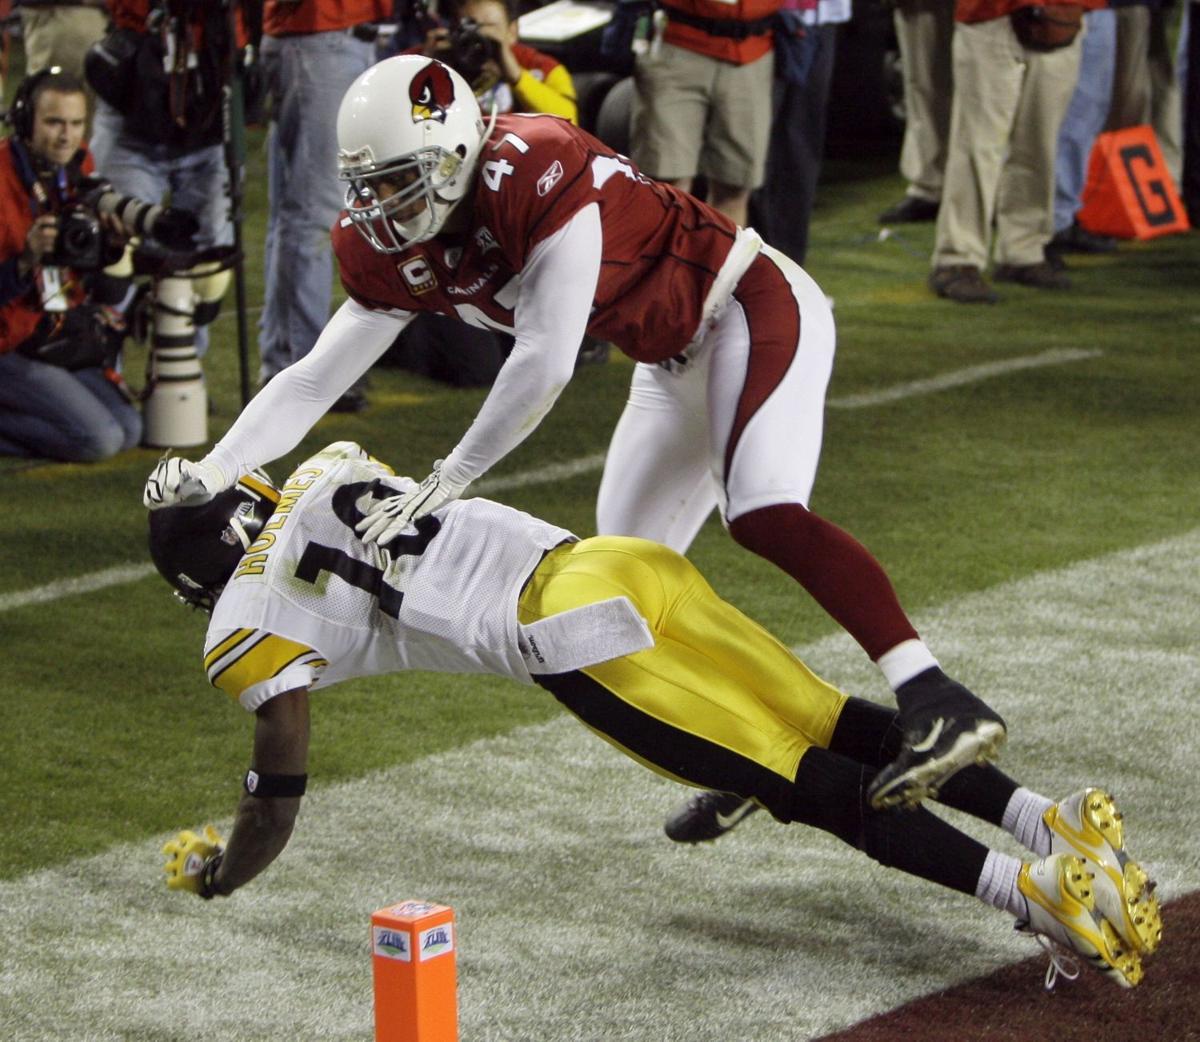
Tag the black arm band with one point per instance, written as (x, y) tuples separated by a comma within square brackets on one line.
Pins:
[(264, 785)]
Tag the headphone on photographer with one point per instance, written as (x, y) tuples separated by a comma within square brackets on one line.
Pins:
[(20, 113)]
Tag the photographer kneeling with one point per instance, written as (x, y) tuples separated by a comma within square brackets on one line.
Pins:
[(60, 334)]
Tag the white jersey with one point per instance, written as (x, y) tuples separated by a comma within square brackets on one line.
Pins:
[(310, 605)]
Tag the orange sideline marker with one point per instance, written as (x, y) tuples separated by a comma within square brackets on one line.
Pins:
[(1129, 192), (416, 999)]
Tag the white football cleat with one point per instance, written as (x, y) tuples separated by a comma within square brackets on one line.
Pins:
[(1058, 891), (1088, 825)]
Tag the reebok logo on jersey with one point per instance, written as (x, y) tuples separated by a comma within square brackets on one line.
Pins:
[(535, 652), (550, 178), (418, 275)]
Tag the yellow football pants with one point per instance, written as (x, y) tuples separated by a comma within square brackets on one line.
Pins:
[(717, 702)]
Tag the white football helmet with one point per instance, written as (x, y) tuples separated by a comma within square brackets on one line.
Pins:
[(409, 133)]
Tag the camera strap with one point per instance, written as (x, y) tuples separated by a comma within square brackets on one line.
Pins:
[(49, 278)]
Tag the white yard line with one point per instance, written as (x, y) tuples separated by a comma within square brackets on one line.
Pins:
[(587, 464), (115, 576), (960, 378)]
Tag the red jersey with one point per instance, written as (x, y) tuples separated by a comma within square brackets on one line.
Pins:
[(988, 10), (661, 252), (727, 48), (288, 17), (132, 14)]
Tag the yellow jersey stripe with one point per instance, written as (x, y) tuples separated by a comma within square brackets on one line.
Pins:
[(226, 646), (265, 659)]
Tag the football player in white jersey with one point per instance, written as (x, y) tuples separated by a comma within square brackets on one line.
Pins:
[(628, 636), (529, 225)]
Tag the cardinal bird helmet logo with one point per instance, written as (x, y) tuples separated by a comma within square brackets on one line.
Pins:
[(431, 93)]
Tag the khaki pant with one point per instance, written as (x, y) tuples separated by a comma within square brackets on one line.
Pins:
[(1009, 102), (924, 32), (698, 115)]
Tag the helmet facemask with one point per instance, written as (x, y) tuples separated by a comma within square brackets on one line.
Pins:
[(409, 135), (389, 221)]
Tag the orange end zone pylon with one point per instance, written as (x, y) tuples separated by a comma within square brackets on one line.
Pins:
[(413, 961)]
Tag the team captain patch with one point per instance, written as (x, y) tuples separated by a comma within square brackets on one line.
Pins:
[(418, 275)]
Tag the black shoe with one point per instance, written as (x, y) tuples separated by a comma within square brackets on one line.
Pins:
[(1055, 259), (1077, 239), (354, 400), (910, 210), (1039, 276), (707, 815), (962, 283), (592, 352), (946, 728)]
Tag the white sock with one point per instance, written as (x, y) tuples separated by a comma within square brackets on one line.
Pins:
[(997, 884), (1023, 821), (905, 661)]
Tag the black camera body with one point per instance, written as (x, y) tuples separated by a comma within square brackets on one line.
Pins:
[(81, 242), (469, 50)]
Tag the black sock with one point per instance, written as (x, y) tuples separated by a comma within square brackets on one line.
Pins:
[(830, 794)]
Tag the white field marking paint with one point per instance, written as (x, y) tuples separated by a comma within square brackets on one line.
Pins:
[(122, 573), (578, 921), (961, 377), (588, 464)]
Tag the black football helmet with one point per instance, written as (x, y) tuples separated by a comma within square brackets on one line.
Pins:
[(197, 548)]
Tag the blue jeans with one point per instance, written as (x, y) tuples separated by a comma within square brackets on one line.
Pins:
[(307, 75), (781, 209), (1086, 114), (197, 181), (47, 411)]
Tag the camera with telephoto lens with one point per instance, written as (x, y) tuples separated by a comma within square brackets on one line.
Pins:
[(83, 243), (470, 50)]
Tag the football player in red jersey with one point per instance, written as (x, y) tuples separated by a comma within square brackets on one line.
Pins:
[(527, 224)]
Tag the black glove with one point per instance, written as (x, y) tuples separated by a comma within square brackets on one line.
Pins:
[(176, 229)]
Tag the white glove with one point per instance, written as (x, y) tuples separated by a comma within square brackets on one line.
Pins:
[(389, 517), (180, 482)]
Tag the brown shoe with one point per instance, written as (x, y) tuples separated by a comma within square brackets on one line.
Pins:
[(1039, 276), (962, 283)]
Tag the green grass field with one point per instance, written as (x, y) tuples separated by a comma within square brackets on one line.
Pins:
[(1067, 458)]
